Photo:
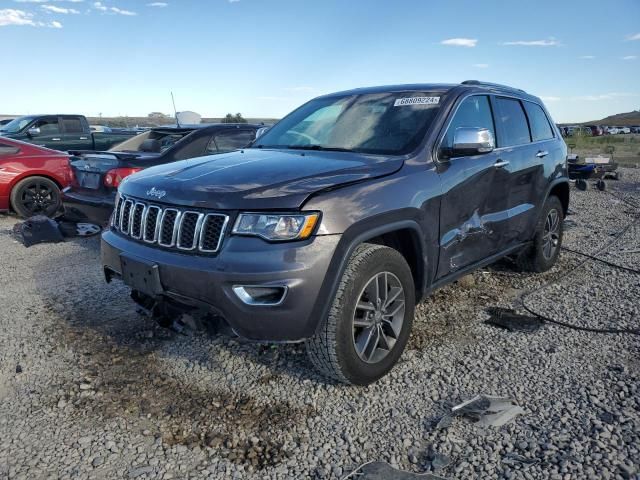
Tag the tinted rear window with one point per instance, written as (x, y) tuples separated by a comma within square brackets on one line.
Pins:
[(511, 122), (540, 127)]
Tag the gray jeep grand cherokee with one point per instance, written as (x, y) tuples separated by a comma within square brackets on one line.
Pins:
[(335, 222)]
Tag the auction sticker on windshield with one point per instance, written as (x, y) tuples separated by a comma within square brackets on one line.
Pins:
[(401, 102)]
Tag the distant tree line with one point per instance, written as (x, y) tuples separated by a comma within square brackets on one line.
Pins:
[(237, 118)]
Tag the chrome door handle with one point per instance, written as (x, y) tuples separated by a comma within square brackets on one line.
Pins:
[(501, 163), (83, 138), (55, 139), (542, 154)]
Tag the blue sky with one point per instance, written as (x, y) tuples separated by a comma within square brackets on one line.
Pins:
[(265, 57)]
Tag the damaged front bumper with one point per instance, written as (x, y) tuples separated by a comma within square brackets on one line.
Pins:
[(264, 291)]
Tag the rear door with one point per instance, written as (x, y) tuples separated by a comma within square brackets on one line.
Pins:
[(473, 192), (74, 134), (523, 163)]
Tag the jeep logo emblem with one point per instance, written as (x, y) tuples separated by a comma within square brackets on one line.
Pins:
[(156, 193)]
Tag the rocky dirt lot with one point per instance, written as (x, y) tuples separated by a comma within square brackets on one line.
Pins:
[(89, 388)]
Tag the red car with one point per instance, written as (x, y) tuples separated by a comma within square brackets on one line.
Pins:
[(31, 178)]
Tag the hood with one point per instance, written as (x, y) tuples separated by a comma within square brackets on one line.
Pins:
[(255, 178)]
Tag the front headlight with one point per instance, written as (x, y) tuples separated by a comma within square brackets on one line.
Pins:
[(276, 226)]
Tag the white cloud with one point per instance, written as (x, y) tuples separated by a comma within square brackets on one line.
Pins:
[(481, 65), (635, 36), (10, 16), (460, 42), (47, 1), (113, 10), (158, 4), (587, 57), (629, 57), (550, 42), (233, 1), (64, 11)]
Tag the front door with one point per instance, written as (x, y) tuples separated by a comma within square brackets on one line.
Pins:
[(474, 193), (50, 133)]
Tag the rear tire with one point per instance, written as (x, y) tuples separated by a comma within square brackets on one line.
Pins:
[(35, 196), (547, 242), (363, 337)]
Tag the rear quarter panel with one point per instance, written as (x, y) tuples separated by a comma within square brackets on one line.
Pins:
[(15, 168)]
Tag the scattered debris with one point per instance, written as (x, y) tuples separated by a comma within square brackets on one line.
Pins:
[(384, 471), (38, 229), (437, 461), (488, 411), (513, 459), (18, 368), (443, 422), (41, 229), (510, 320)]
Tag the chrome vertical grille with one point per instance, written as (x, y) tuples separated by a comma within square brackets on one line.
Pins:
[(170, 228)]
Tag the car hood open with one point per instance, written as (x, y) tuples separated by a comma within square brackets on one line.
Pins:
[(255, 178)]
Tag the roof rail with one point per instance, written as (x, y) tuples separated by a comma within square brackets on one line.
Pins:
[(489, 84)]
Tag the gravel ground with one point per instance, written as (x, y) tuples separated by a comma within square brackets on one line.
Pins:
[(89, 388)]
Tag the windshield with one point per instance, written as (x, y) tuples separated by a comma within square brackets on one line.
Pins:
[(15, 125), (381, 123)]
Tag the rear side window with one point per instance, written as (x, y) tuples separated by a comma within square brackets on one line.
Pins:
[(474, 111), (72, 125), (231, 140), (511, 122), (540, 127)]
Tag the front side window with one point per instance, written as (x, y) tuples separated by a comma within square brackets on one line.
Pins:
[(511, 122), (392, 123), (474, 111), (540, 127), (48, 126)]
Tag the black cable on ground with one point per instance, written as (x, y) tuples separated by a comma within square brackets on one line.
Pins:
[(569, 271), (601, 260)]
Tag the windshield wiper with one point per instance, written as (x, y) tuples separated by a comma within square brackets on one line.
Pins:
[(319, 148)]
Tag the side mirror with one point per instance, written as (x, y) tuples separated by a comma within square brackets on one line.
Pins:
[(469, 141), (33, 132)]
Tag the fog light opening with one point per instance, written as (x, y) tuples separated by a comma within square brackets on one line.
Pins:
[(261, 294)]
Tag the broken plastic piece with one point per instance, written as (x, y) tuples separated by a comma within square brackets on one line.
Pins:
[(384, 471), (514, 459), (488, 411), (72, 229), (512, 321), (38, 229)]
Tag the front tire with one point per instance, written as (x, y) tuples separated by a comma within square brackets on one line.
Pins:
[(547, 242), (370, 319), (35, 196)]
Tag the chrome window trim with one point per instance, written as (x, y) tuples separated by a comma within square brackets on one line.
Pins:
[(196, 232), (443, 132), (222, 231)]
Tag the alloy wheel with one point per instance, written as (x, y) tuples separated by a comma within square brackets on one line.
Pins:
[(378, 317), (551, 235), (38, 198)]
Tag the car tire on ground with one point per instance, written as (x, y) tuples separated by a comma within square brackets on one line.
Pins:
[(35, 196), (547, 242), (370, 319)]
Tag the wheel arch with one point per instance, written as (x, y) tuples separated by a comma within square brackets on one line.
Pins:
[(408, 239), (19, 179), (560, 189)]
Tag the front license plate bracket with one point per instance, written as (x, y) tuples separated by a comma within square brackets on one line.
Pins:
[(141, 275)]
